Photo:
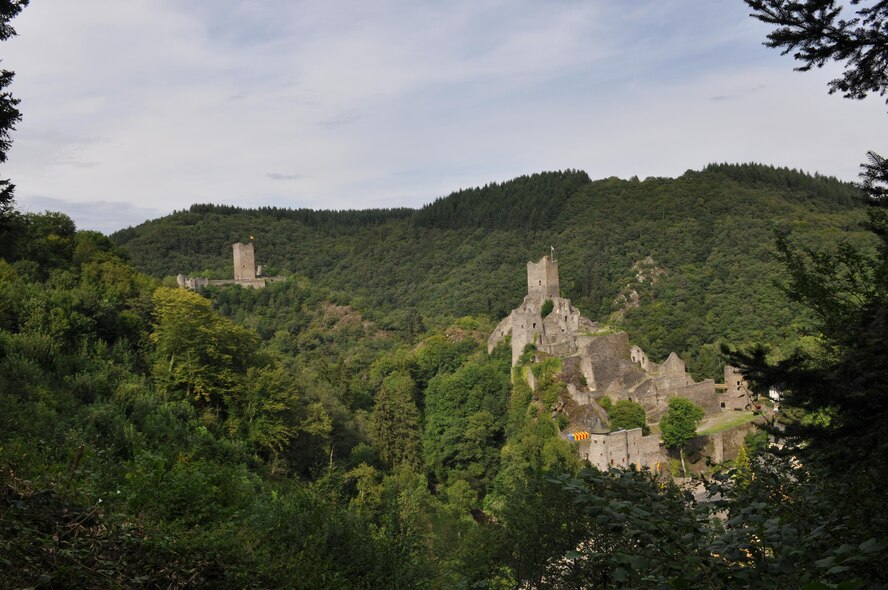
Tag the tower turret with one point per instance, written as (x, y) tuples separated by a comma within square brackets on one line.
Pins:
[(542, 279), (244, 262)]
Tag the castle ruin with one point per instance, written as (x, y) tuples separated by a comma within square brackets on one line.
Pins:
[(245, 272), (598, 362)]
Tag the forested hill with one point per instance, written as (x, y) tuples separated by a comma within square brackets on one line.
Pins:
[(710, 232)]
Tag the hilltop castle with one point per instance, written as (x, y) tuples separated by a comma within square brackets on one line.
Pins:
[(597, 362), (246, 273)]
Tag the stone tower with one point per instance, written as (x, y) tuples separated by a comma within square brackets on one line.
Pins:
[(542, 280), (244, 262)]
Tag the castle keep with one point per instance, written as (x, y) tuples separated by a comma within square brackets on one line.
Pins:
[(244, 262), (245, 272), (555, 334), (597, 363)]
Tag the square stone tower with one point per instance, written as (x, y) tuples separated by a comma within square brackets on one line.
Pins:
[(542, 279), (244, 262)]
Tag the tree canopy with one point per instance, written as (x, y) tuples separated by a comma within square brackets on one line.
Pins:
[(679, 425)]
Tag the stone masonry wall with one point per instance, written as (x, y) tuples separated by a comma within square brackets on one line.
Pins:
[(622, 449), (244, 261), (542, 279)]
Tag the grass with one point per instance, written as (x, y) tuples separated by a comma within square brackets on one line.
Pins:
[(726, 421)]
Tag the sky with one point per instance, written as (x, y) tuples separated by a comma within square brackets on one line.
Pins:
[(135, 108)]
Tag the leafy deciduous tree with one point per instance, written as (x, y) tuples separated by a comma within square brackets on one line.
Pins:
[(626, 415), (679, 425)]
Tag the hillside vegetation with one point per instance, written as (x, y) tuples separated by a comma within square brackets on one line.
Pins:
[(309, 436), (682, 264)]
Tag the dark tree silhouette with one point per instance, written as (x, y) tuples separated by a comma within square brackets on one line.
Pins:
[(841, 388), (816, 33), (9, 113)]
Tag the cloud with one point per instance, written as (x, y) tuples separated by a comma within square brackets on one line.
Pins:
[(342, 119), (172, 103), (277, 176)]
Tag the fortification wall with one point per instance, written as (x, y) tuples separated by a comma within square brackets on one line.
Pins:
[(622, 449), (527, 327), (500, 333), (718, 447), (703, 394), (737, 395), (637, 355), (609, 346), (673, 374)]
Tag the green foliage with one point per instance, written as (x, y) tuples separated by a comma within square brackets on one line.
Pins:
[(527, 355), (840, 384), (548, 382), (219, 428), (710, 231), (626, 415), (547, 308), (9, 113), (527, 203), (755, 441), (465, 420), (781, 529), (742, 469), (679, 425), (606, 403), (394, 426)]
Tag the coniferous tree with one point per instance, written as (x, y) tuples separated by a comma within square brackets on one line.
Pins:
[(841, 387), (817, 32), (9, 113), (394, 426)]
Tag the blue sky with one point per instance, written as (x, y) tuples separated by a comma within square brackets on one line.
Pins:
[(135, 108)]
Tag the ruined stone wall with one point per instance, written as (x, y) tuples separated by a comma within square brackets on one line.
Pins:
[(609, 346), (703, 394), (637, 355), (195, 283), (594, 450), (618, 449), (500, 333), (737, 395), (718, 446), (673, 373), (613, 373), (244, 272), (622, 449), (244, 261), (527, 327)]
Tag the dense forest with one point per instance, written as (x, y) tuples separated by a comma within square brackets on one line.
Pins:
[(306, 436), (682, 264)]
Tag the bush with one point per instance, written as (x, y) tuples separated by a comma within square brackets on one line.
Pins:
[(547, 308)]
